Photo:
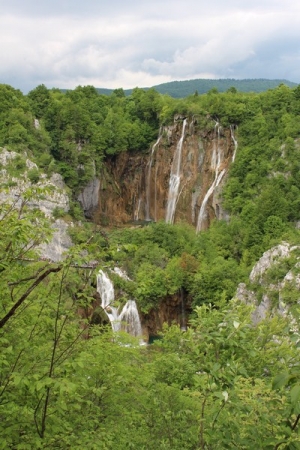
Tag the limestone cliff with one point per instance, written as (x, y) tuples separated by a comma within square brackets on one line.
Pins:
[(50, 195), (179, 178), (175, 309), (274, 283)]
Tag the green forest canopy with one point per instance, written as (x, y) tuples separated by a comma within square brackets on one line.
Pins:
[(65, 383)]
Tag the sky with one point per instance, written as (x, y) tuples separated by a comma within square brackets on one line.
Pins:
[(142, 43)]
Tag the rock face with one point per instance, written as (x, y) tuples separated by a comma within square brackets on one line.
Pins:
[(55, 195), (174, 309), (274, 281), (59, 243), (270, 258), (187, 165), (89, 198), (52, 195)]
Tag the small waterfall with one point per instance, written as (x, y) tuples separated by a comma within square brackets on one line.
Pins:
[(121, 273), (107, 294), (175, 178), (215, 165), (214, 162), (148, 178), (136, 214), (129, 319), (234, 142)]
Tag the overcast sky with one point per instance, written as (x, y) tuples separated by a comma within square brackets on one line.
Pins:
[(129, 43)]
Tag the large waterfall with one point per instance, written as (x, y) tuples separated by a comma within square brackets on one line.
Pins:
[(128, 319), (175, 178), (148, 181), (216, 161)]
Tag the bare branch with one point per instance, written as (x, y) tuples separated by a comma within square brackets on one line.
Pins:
[(26, 294)]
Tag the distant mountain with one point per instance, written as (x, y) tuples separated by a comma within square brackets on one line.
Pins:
[(180, 89)]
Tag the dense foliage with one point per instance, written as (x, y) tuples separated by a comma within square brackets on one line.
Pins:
[(66, 383), (75, 132), (207, 388)]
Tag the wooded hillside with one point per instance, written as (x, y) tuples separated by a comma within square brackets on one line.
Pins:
[(65, 380)]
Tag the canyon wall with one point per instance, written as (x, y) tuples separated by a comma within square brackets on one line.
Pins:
[(179, 179)]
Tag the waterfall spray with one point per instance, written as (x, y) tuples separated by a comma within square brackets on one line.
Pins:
[(148, 177), (234, 142), (128, 320), (216, 161), (175, 178)]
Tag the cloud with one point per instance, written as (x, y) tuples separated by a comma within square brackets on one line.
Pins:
[(128, 44)]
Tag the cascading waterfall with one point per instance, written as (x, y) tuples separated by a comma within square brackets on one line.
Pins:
[(137, 211), (175, 178), (107, 294), (129, 319), (216, 161), (234, 142), (214, 156), (148, 178)]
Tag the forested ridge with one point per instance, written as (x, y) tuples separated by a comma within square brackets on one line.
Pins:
[(67, 382), (180, 89)]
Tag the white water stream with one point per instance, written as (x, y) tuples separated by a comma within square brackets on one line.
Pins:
[(175, 178), (234, 142), (216, 161), (136, 215), (128, 319), (148, 179)]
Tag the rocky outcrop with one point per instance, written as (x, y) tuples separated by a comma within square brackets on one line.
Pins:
[(174, 309), (89, 198), (59, 244), (52, 191), (136, 186), (269, 259), (274, 282), (48, 194)]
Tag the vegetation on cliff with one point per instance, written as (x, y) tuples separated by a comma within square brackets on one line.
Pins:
[(207, 388), (66, 383), (77, 132)]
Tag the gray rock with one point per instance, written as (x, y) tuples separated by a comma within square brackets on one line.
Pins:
[(265, 307), (51, 194), (59, 244), (89, 197), (268, 259)]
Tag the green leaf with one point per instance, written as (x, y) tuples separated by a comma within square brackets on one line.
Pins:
[(281, 380), (295, 394)]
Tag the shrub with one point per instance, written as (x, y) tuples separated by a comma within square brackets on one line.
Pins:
[(33, 175)]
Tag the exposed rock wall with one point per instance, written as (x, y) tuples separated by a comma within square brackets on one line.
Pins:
[(135, 186), (52, 195), (266, 293), (175, 309), (89, 198)]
